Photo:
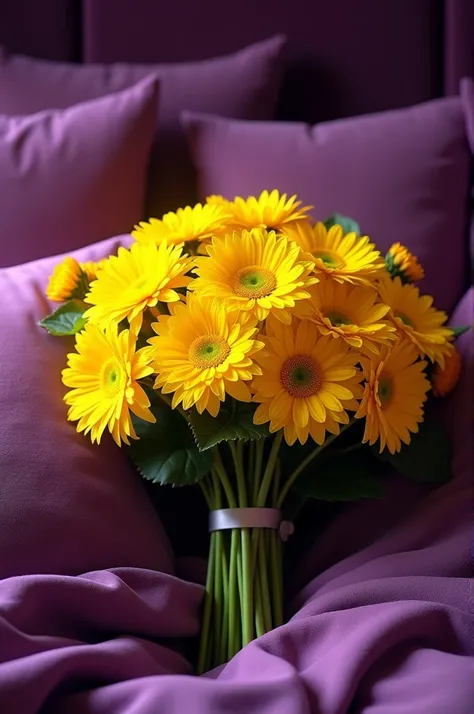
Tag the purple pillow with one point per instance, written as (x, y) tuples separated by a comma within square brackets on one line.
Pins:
[(73, 177), (243, 85), (66, 506), (402, 174)]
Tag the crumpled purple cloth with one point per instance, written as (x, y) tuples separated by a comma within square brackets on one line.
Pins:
[(381, 619)]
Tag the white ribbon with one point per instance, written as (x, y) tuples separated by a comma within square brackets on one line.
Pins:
[(228, 518)]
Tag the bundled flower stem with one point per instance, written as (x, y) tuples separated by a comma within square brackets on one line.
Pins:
[(244, 585)]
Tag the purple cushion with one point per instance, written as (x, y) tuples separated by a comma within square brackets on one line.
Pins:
[(242, 85), (403, 175), (75, 176), (66, 506)]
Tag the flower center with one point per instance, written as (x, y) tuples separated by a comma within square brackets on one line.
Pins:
[(330, 259), (254, 282), (300, 376), (406, 320), (208, 351), (338, 318), (112, 377), (385, 390)]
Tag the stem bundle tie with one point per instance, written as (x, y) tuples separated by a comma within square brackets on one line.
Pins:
[(228, 518)]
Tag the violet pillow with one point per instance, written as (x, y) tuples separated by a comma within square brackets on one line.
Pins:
[(75, 176), (243, 85), (402, 174), (66, 506)]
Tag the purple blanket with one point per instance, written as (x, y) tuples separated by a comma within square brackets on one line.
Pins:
[(381, 621)]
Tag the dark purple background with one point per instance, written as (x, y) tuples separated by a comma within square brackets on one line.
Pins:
[(344, 57)]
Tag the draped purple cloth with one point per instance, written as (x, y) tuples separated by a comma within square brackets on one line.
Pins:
[(381, 621)]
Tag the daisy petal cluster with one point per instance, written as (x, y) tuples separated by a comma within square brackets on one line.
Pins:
[(248, 299)]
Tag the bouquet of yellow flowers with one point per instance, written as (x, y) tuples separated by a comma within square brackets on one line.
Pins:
[(231, 346)]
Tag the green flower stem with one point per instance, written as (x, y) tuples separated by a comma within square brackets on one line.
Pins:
[(259, 451), (204, 645), (247, 581), (218, 595), (276, 578), (219, 469), (301, 466), (259, 622), (276, 483), (234, 609), (262, 577), (223, 636), (267, 476)]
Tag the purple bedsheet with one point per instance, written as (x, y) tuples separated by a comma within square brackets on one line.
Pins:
[(382, 621)]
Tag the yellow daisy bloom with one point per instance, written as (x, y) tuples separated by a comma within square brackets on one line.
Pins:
[(307, 382), (255, 271), (91, 267), (269, 210), (399, 261), (67, 281), (350, 312), (192, 223), (349, 257), (416, 320), (136, 279), (444, 379), (103, 375), (394, 394), (203, 352)]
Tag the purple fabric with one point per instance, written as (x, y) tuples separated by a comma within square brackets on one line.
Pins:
[(66, 506), (75, 176), (403, 175), (387, 629), (242, 85)]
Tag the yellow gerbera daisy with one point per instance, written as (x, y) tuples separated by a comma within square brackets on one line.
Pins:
[(193, 223), (349, 257), (67, 281), (350, 312), (307, 382), (416, 320), (104, 374), (394, 394), (203, 352), (399, 261), (269, 210), (136, 279), (444, 379), (92, 267), (255, 271)]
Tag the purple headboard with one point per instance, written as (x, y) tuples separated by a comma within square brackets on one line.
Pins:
[(343, 57)]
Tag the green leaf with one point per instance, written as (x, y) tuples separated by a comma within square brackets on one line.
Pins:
[(166, 452), (66, 320), (341, 477), (234, 421), (427, 459), (460, 330), (348, 224)]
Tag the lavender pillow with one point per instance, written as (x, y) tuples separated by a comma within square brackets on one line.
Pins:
[(402, 174), (73, 177), (243, 85), (66, 507)]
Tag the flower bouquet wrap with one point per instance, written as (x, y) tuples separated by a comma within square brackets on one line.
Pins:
[(269, 359)]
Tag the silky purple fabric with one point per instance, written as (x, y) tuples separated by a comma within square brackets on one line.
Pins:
[(383, 630)]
